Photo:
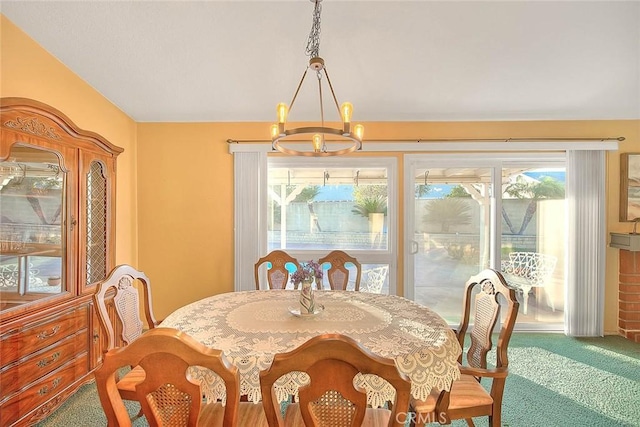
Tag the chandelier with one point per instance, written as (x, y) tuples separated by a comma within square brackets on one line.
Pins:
[(318, 134)]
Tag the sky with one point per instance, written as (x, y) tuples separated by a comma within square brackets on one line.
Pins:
[(344, 192)]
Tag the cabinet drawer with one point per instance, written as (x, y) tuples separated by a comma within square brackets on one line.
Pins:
[(16, 345), (40, 392), (38, 365)]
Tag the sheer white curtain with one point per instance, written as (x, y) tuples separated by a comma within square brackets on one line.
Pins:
[(584, 293), (250, 178)]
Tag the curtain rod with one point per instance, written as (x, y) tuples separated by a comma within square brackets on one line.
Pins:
[(619, 138)]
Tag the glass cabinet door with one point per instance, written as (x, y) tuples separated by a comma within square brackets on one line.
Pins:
[(32, 235), (96, 229)]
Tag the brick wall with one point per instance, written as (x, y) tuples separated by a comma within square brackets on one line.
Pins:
[(629, 295)]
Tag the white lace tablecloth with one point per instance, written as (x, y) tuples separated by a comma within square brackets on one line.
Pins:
[(251, 327)]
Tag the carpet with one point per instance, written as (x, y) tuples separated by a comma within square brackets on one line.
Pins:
[(554, 381)]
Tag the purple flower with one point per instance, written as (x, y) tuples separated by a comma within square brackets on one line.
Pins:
[(307, 271)]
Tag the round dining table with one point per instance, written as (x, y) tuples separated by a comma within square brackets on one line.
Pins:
[(250, 327)]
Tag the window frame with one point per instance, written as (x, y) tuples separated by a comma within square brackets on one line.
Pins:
[(387, 256)]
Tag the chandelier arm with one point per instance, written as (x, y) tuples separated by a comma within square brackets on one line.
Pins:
[(295, 95), (321, 103), (324, 144), (335, 100)]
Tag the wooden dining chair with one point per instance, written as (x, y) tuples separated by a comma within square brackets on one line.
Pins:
[(168, 396), (468, 398), (118, 305), (277, 273), (331, 399), (338, 274)]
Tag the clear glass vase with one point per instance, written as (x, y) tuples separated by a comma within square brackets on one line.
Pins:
[(307, 298)]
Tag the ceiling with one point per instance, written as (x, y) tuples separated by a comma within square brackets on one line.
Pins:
[(193, 61)]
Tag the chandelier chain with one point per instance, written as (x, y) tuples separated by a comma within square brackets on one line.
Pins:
[(313, 42)]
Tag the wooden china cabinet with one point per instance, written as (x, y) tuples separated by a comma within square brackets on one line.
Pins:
[(57, 236)]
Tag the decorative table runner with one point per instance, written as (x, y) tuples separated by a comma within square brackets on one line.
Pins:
[(250, 327)]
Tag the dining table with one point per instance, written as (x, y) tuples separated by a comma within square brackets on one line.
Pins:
[(250, 327)]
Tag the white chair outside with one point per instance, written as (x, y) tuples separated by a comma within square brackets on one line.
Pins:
[(527, 270), (373, 279)]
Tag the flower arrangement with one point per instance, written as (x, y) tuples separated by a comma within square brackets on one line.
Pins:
[(307, 271)]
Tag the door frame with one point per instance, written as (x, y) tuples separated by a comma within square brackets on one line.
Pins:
[(495, 161)]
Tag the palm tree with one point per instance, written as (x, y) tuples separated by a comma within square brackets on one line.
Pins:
[(458, 191), (368, 205), (307, 195), (370, 199), (545, 188), (447, 212)]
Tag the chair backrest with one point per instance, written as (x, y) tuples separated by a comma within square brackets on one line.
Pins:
[(485, 305), (331, 399), (338, 273), (118, 305), (533, 266), (167, 395), (373, 279), (277, 272)]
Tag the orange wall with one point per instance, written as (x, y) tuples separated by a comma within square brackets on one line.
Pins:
[(185, 190), (29, 71), (197, 197), (185, 197), (175, 180)]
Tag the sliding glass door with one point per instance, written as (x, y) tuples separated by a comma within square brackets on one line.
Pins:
[(468, 213)]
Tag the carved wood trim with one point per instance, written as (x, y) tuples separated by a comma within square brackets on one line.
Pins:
[(33, 126), (33, 109)]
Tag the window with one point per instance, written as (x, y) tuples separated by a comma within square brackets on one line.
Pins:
[(347, 204)]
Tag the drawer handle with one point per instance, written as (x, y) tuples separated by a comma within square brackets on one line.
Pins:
[(44, 390), (44, 362), (44, 335)]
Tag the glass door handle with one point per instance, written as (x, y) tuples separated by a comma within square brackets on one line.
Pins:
[(414, 247)]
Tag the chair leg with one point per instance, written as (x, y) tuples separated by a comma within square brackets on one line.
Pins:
[(470, 422), (495, 419), (525, 298)]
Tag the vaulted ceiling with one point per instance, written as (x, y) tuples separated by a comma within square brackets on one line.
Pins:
[(187, 61)]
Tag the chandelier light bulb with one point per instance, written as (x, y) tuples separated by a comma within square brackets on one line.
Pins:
[(317, 143), (282, 111), (347, 112), (358, 130), (275, 131)]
